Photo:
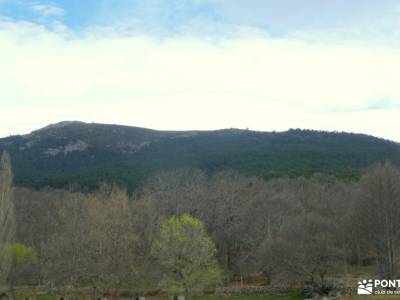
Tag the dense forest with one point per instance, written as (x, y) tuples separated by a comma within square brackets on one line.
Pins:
[(82, 155), (191, 231)]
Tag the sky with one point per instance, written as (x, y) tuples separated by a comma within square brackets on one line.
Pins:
[(202, 64)]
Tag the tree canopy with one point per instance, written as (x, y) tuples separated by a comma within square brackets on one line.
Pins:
[(187, 254)]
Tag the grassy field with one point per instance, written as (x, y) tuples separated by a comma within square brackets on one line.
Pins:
[(293, 296), (383, 297), (246, 297), (253, 297)]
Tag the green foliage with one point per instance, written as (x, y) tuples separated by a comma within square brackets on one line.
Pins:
[(187, 255), (21, 253)]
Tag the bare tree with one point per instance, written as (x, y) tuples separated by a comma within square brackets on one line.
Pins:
[(378, 214), (7, 217), (287, 228), (63, 255), (101, 240), (112, 233)]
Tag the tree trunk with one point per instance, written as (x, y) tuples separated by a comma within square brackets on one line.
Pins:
[(94, 293)]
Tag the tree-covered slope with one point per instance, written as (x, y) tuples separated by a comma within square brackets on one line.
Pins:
[(86, 154)]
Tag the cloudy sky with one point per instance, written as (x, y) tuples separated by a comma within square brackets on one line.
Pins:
[(202, 64)]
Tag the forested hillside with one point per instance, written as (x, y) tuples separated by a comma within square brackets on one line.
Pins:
[(306, 234), (81, 154)]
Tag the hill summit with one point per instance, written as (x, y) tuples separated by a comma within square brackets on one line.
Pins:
[(80, 153)]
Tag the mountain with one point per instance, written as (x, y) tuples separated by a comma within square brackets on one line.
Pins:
[(85, 154)]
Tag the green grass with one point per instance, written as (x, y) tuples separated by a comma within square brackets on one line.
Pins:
[(38, 296), (47, 297), (383, 297), (292, 296)]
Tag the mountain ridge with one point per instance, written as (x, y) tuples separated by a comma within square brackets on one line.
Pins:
[(73, 152)]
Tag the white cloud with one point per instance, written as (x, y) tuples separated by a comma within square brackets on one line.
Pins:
[(48, 10), (191, 83)]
